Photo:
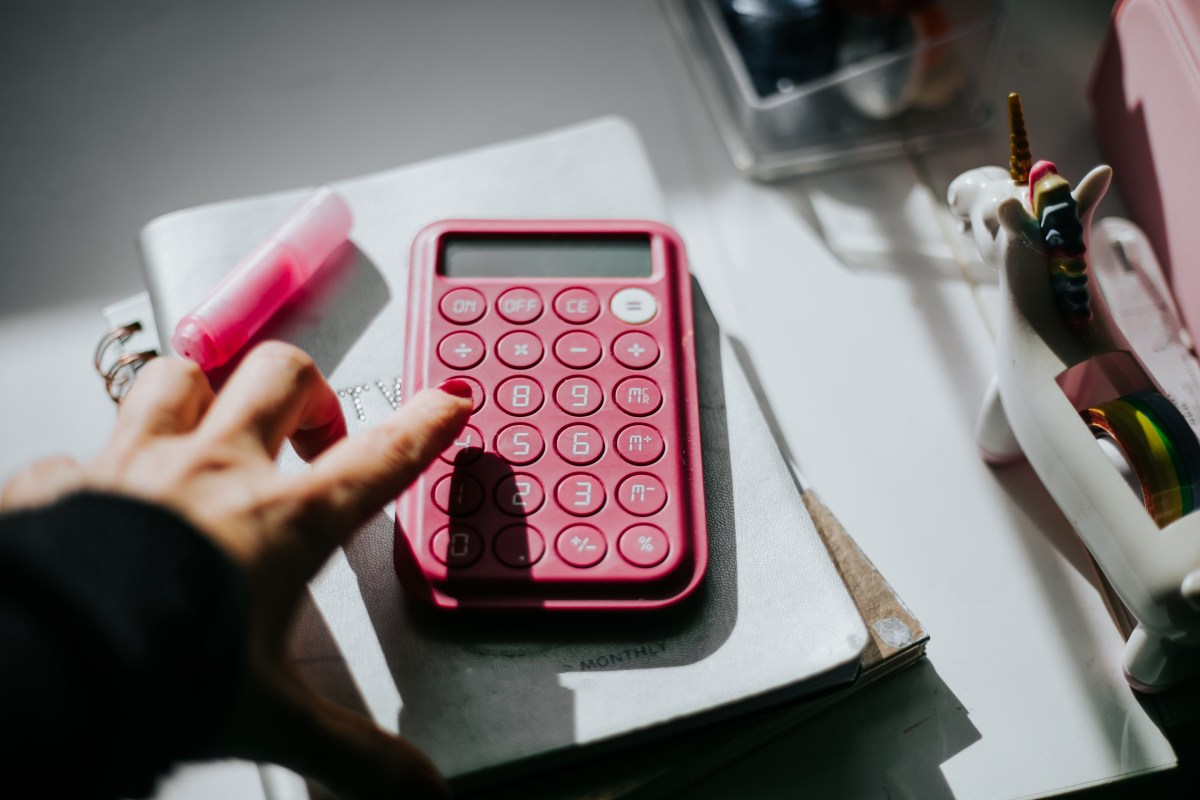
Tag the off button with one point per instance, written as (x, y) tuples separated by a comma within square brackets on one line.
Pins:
[(633, 305)]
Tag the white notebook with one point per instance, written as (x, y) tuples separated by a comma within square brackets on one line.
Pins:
[(493, 697)]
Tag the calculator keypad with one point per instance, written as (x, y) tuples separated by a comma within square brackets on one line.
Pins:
[(562, 474)]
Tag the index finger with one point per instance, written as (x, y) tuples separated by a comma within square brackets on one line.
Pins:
[(357, 476)]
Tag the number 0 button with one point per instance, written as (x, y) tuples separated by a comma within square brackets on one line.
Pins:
[(519, 396), (456, 546)]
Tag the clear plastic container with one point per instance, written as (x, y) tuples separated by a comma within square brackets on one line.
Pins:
[(802, 93)]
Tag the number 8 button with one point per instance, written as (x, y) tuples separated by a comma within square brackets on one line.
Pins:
[(519, 396)]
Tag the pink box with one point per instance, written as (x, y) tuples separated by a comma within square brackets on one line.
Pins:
[(1145, 95)]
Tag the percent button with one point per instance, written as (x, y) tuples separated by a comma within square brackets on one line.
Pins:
[(643, 546)]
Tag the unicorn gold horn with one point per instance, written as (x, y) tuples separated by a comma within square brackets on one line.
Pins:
[(1019, 159)]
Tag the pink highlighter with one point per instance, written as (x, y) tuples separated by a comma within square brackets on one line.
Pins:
[(263, 281)]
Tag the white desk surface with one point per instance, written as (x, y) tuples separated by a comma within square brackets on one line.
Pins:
[(119, 112)]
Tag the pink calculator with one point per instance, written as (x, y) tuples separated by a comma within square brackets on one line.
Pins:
[(578, 483)]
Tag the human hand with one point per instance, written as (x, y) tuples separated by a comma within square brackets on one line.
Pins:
[(211, 458)]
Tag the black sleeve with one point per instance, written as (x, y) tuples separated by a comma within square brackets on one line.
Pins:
[(122, 636)]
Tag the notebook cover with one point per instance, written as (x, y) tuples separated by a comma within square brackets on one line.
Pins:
[(490, 697)]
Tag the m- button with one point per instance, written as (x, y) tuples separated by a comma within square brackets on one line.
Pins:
[(633, 305)]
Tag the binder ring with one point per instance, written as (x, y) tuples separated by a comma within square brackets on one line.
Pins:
[(114, 336), (119, 377)]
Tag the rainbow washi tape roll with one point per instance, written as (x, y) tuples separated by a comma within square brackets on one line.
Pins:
[(1160, 447)]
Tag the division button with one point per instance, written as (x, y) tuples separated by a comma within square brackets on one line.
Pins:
[(642, 494), (519, 396), (467, 447), (577, 349), (520, 305), (519, 546), (458, 494), (578, 396), (579, 444), (638, 396), (460, 350), (462, 306), (643, 546), (577, 305), (635, 350), (519, 349), (633, 305), (581, 546), (520, 444), (519, 494), (580, 494), (456, 546), (640, 444)]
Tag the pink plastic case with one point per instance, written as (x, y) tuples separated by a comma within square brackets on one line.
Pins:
[(578, 483)]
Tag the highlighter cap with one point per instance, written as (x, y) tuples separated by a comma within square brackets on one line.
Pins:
[(314, 230)]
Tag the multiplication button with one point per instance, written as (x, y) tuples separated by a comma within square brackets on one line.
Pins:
[(519, 349)]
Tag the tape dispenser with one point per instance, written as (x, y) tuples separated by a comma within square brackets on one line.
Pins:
[(1107, 425)]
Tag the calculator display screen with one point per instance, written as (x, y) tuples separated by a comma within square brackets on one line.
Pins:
[(546, 257)]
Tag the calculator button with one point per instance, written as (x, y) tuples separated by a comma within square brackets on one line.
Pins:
[(633, 305), (635, 350), (577, 349), (578, 396), (638, 396), (579, 444), (581, 546), (458, 494), (642, 494), (462, 306), (519, 349), (640, 444), (467, 447), (478, 395), (643, 546), (519, 546), (580, 494), (519, 396), (520, 305), (519, 494), (577, 305), (456, 546), (520, 444), (460, 350)]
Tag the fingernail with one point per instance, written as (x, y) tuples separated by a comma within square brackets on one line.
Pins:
[(457, 387)]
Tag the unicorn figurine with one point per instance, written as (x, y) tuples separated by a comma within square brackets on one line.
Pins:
[(1072, 397)]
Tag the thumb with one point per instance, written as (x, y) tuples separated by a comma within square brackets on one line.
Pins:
[(343, 751)]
